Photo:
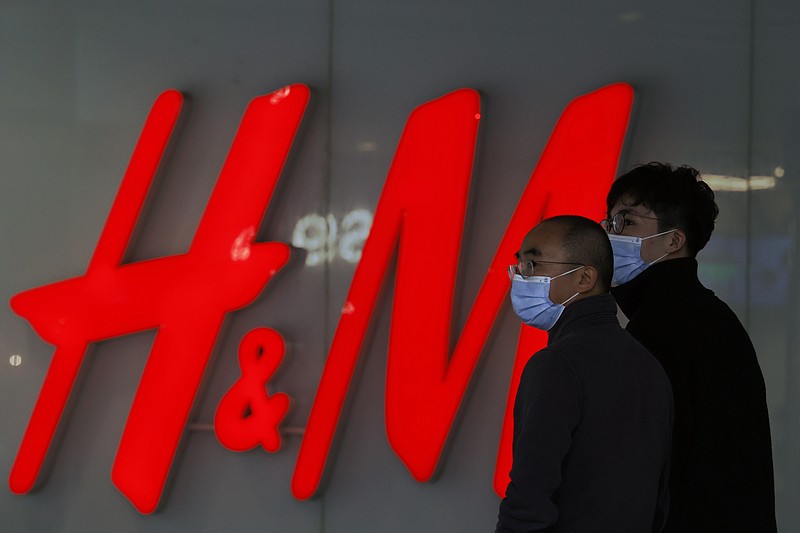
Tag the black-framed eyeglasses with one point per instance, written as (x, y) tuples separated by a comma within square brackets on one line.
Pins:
[(617, 223), (526, 269)]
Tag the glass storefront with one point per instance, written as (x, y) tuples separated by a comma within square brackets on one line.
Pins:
[(717, 86)]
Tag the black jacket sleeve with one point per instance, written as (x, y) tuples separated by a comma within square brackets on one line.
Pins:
[(546, 410)]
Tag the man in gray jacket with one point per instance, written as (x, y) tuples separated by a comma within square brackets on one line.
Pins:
[(593, 412)]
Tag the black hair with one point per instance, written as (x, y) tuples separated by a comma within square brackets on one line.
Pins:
[(679, 199), (584, 241)]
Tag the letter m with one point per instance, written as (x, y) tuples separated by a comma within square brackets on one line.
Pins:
[(421, 211)]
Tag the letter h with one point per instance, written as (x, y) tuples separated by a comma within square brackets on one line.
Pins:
[(185, 296)]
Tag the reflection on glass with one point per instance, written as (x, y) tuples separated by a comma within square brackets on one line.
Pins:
[(311, 234), (240, 250), (366, 146), (280, 94), (631, 16), (355, 229), (320, 237), (734, 184)]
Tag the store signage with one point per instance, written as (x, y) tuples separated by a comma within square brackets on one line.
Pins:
[(187, 296)]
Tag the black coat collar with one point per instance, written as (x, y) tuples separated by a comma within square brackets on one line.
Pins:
[(659, 280), (589, 311)]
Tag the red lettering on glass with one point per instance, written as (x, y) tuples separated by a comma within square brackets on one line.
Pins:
[(248, 415), (185, 296), (426, 188), (423, 204)]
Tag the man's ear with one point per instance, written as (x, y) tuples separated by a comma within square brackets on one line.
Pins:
[(677, 242), (587, 280)]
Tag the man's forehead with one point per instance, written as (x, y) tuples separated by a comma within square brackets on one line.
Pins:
[(542, 240), (625, 205)]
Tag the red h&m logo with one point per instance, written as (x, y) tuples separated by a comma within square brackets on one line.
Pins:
[(187, 296)]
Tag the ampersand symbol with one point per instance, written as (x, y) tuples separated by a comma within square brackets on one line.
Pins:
[(248, 415)]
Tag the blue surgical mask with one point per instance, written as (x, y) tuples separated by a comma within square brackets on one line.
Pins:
[(530, 298), (628, 262)]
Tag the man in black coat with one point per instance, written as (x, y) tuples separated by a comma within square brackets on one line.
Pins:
[(593, 411), (721, 476)]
